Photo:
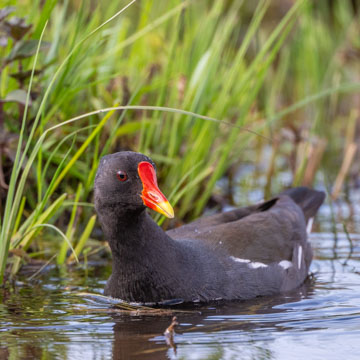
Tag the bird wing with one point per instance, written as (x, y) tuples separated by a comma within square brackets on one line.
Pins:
[(263, 233)]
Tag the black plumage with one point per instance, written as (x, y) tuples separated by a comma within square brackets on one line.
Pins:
[(240, 254)]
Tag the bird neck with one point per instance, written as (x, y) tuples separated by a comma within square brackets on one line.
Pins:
[(133, 236), (146, 261)]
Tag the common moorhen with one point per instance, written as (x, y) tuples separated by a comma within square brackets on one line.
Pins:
[(240, 254)]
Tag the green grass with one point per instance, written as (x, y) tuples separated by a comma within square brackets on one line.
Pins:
[(197, 85)]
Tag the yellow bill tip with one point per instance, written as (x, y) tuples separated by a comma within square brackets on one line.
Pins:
[(166, 209)]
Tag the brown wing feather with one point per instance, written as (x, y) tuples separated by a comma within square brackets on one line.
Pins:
[(205, 223), (265, 233)]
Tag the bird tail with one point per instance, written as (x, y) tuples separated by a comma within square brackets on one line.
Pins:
[(309, 200)]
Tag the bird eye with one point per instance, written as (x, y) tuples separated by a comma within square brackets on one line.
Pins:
[(121, 175)]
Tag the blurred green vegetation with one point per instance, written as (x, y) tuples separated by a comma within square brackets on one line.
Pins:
[(286, 70)]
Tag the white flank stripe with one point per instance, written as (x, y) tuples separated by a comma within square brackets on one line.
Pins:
[(299, 256), (255, 265), (309, 225), (285, 264), (252, 265), (239, 260)]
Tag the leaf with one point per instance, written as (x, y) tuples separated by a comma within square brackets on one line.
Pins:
[(6, 11), (34, 229), (201, 67), (23, 75), (18, 96), (84, 237), (16, 27), (131, 128), (25, 49)]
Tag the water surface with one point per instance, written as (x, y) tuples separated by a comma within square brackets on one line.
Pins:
[(44, 319)]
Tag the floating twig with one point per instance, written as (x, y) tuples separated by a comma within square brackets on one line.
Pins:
[(169, 334)]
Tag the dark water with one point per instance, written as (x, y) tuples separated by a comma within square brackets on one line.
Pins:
[(44, 319)]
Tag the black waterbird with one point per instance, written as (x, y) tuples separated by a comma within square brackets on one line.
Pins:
[(241, 254)]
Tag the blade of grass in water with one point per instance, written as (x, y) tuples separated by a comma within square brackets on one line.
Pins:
[(70, 231), (11, 205), (14, 196)]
